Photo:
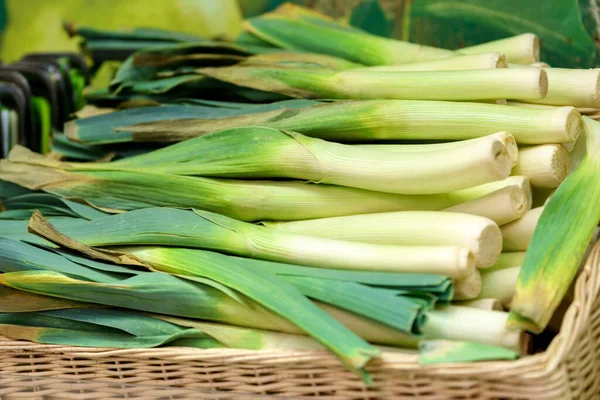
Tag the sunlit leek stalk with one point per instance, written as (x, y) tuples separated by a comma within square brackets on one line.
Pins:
[(271, 153), (458, 85), (520, 49), (474, 61), (296, 28), (559, 242), (203, 229), (499, 284), (484, 304), (243, 200), (517, 234), (415, 228), (573, 87), (472, 324), (545, 165), (373, 120)]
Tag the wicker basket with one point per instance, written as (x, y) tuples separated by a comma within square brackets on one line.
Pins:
[(568, 369)]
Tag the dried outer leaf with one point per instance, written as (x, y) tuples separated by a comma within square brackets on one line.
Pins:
[(102, 129), (16, 301)]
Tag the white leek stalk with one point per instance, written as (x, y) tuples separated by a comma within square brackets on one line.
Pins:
[(458, 85), (467, 288), (505, 137), (484, 304), (258, 152), (520, 49), (572, 87), (472, 325), (500, 284), (517, 234), (408, 228), (474, 61), (501, 206), (545, 165)]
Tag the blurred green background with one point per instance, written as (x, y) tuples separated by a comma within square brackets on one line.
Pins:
[(568, 29)]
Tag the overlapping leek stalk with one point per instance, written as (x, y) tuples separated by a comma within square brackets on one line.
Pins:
[(545, 165), (365, 121), (517, 234), (457, 85), (475, 61), (243, 200), (272, 153), (206, 230), (415, 228)]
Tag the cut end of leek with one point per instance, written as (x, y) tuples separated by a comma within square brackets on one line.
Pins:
[(545, 165), (490, 246), (483, 304), (469, 287)]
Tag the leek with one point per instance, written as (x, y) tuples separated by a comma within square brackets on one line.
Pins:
[(484, 304), (517, 234), (457, 323), (243, 200), (573, 87), (474, 61), (272, 153), (370, 120), (501, 206), (296, 28), (500, 284), (545, 165), (559, 242), (203, 229), (520, 49), (468, 287), (458, 85), (414, 228)]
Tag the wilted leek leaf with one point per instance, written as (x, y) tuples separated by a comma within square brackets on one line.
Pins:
[(96, 327)]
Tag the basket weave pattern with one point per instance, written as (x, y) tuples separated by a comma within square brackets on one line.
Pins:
[(568, 369)]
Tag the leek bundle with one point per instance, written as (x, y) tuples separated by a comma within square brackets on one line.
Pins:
[(120, 286), (559, 242), (206, 230), (272, 153), (356, 121)]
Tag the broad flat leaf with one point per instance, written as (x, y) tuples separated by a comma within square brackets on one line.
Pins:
[(369, 16), (457, 23)]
